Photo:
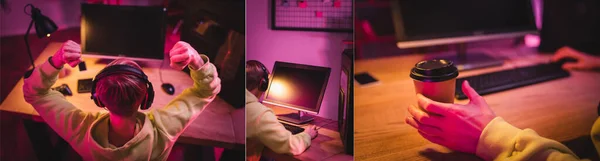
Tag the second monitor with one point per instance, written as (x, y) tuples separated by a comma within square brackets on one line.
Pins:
[(135, 32), (427, 23), (299, 87)]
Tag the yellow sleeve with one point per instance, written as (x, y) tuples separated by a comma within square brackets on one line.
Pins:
[(177, 115), (502, 141), (274, 136), (63, 117), (595, 134)]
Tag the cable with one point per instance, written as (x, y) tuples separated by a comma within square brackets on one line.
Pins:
[(228, 54), (160, 71)]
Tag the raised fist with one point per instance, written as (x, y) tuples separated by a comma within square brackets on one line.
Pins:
[(182, 54), (69, 53)]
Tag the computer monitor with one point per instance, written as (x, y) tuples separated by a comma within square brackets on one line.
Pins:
[(297, 86), (427, 23), (136, 32)]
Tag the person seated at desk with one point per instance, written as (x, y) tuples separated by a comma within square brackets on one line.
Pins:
[(262, 127), (474, 128), (122, 133)]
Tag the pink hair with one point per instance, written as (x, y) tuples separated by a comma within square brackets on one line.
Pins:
[(122, 94)]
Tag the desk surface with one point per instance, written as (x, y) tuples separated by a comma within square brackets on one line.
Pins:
[(218, 125), (327, 146), (561, 109)]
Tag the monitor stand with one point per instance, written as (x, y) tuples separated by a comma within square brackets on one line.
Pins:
[(464, 61), (296, 118)]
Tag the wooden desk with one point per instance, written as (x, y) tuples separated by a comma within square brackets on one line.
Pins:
[(218, 125), (327, 145), (562, 109)]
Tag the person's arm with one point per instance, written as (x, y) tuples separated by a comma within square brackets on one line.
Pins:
[(583, 61), (595, 134), (63, 117), (178, 114), (474, 128), (502, 141), (274, 136)]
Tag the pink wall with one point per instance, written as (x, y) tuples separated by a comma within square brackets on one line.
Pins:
[(312, 48), (65, 13)]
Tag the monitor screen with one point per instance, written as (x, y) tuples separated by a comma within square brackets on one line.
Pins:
[(297, 86), (129, 31), (421, 20)]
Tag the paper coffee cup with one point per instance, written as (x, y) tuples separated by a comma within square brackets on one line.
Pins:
[(435, 79)]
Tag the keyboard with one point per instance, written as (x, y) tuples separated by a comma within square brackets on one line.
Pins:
[(292, 128), (512, 78)]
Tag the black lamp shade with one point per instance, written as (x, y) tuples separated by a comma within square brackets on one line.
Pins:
[(43, 27), (43, 24)]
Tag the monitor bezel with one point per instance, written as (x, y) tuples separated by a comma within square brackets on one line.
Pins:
[(298, 66), (102, 56), (402, 41), (121, 55)]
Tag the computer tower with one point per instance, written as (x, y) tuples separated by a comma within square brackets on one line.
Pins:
[(346, 102)]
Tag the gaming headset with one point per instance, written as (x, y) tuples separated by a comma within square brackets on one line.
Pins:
[(264, 82), (124, 69)]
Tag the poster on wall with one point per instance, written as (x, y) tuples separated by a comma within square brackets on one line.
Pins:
[(312, 15)]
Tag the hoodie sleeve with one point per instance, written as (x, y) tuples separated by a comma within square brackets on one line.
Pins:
[(63, 117), (177, 115), (274, 136), (502, 141), (595, 135)]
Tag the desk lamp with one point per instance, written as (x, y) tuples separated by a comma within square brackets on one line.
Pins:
[(44, 26)]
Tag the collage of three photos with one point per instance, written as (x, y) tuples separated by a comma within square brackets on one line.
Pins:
[(310, 80)]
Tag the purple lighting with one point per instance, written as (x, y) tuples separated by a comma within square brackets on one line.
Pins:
[(311, 48)]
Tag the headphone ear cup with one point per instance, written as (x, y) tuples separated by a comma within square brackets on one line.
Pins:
[(100, 103), (97, 101), (147, 102), (144, 104), (94, 97), (264, 84)]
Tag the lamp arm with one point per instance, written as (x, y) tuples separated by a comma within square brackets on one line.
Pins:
[(27, 43)]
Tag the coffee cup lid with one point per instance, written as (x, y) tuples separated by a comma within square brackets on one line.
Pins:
[(436, 70)]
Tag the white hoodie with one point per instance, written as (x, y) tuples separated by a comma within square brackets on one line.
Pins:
[(87, 132), (263, 129), (502, 141)]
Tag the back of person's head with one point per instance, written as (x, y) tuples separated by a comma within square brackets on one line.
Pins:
[(254, 74), (122, 94)]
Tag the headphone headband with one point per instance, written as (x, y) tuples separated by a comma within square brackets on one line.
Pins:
[(264, 83), (121, 69), (265, 73)]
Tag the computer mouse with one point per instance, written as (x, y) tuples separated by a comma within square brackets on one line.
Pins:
[(168, 88), (64, 89)]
